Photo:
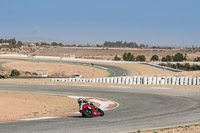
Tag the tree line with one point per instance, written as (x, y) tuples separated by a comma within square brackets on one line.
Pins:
[(185, 67), (178, 57), (123, 44), (130, 57)]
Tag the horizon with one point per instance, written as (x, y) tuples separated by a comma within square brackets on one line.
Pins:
[(154, 23)]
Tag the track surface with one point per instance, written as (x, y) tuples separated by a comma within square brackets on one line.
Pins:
[(139, 109)]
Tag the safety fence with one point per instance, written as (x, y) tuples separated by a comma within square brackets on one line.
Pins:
[(137, 80)]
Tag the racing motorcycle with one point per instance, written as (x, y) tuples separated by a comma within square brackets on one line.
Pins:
[(88, 109)]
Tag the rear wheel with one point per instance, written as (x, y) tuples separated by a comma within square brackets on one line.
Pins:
[(101, 112), (87, 113)]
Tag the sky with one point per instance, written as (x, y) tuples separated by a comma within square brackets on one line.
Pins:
[(150, 22)]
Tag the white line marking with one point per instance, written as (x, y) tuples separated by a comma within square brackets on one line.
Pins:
[(161, 88), (40, 118), (121, 86), (81, 85)]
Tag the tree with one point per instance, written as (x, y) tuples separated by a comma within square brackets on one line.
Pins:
[(164, 59), (154, 58), (124, 56), (130, 57), (14, 72), (140, 58), (178, 57), (117, 58), (169, 58)]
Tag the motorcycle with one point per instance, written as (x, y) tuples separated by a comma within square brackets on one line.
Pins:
[(88, 109)]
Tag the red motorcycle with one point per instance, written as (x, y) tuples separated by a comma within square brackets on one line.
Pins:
[(88, 109)]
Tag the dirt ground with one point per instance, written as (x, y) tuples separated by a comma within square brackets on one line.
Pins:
[(53, 69), (145, 70), (18, 106), (109, 53), (180, 129)]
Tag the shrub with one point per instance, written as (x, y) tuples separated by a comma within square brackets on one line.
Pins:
[(117, 58), (197, 59), (169, 58), (178, 57), (154, 58), (186, 66), (140, 58), (124, 56), (128, 57), (164, 59), (14, 72)]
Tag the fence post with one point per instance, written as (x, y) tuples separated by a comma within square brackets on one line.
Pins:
[(185, 81), (144, 80), (127, 80), (162, 81), (131, 81), (194, 81), (138, 80), (181, 80), (190, 81), (119, 80), (115, 80), (134, 80), (173, 80), (158, 80), (111, 80), (198, 80), (177, 80), (154, 80), (149, 79)]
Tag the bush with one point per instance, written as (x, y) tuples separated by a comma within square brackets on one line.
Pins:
[(186, 66), (197, 59), (164, 59), (117, 58), (154, 58), (15, 73), (124, 56), (169, 58), (128, 57), (178, 57), (140, 58)]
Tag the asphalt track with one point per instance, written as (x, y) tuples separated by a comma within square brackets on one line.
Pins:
[(139, 109)]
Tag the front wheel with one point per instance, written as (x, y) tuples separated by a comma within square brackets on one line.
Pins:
[(87, 113), (101, 112)]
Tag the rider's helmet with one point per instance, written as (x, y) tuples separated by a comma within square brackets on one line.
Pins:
[(80, 100)]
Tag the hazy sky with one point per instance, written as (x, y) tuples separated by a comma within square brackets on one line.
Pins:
[(152, 22)]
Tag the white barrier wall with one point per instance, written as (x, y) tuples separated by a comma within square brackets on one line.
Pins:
[(137, 80)]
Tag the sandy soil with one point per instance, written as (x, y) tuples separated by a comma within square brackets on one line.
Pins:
[(19, 106), (53, 69), (181, 129)]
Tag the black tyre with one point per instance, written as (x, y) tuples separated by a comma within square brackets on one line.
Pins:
[(101, 112), (87, 113)]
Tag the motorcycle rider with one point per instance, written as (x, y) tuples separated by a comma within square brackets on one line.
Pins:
[(81, 102)]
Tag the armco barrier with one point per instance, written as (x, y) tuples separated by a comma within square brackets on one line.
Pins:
[(137, 80)]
